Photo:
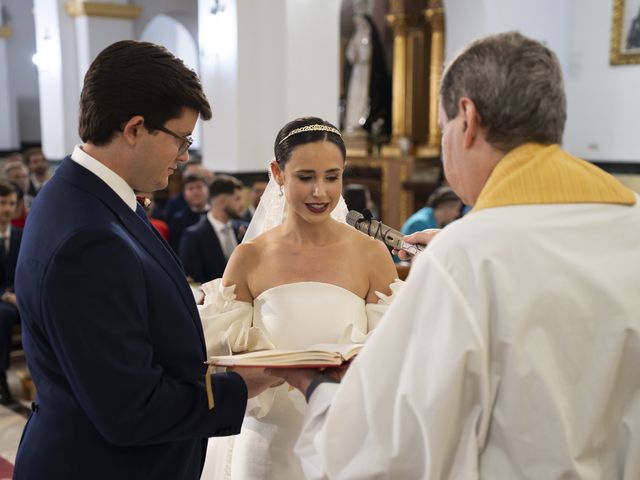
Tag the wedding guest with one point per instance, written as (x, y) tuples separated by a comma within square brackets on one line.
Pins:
[(258, 186), (206, 246), (110, 327), (443, 207), (17, 173), (196, 195), (10, 237), (177, 202), (513, 350), (39, 172)]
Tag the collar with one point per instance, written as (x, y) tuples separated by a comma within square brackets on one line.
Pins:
[(217, 225), (6, 233), (108, 176), (534, 174)]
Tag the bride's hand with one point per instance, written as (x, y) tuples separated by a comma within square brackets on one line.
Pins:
[(299, 378), (256, 379)]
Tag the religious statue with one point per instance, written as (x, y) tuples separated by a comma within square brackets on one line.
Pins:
[(369, 88)]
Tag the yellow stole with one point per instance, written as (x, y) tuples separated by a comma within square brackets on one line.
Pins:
[(534, 174)]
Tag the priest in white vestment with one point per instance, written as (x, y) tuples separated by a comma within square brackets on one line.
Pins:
[(513, 351)]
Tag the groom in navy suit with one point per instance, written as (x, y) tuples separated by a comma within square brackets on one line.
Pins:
[(110, 329)]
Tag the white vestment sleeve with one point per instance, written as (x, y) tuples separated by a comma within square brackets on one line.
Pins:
[(416, 402)]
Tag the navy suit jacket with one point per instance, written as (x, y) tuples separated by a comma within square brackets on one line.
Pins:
[(114, 343), (9, 260), (201, 253), (182, 220)]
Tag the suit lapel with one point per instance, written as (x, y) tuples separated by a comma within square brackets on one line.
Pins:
[(145, 235)]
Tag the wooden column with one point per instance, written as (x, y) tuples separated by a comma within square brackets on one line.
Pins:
[(435, 17), (399, 24)]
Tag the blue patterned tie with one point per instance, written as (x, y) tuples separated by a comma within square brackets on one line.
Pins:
[(142, 214)]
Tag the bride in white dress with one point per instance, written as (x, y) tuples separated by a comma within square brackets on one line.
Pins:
[(308, 278)]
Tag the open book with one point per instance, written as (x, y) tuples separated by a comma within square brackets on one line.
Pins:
[(321, 355)]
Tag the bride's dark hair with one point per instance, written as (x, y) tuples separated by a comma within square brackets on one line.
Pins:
[(302, 131)]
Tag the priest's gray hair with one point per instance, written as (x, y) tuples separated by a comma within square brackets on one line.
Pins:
[(516, 85)]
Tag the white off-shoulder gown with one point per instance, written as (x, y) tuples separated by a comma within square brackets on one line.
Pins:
[(289, 316)]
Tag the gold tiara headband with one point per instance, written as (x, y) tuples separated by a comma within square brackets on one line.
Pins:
[(311, 128)]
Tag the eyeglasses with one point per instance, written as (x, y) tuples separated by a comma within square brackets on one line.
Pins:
[(186, 141)]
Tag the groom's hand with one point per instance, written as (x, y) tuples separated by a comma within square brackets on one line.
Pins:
[(256, 379)]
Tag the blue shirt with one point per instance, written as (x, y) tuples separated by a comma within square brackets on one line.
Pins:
[(421, 220)]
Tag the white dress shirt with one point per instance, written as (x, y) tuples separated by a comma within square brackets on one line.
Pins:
[(108, 176), (6, 238), (226, 234)]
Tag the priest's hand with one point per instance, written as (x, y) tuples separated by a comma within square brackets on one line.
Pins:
[(256, 379), (423, 237)]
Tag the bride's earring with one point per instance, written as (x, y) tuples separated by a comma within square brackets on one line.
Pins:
[(281, 192)]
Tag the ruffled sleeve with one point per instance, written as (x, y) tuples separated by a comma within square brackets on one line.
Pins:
[(228, 323), (358, 331)]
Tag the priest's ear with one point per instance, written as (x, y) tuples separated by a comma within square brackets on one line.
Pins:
[(471, 121)]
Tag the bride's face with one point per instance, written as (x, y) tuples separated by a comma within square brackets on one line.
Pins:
[(312, 180)]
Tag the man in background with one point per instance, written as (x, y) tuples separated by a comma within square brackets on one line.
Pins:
[(38, 170), (206, 246), (258, 187), (443, 207), (17, 173), (10, 238), (195, 191)]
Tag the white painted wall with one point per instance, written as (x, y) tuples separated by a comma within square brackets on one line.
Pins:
[(58, 86), (602, 100), (264, 63), (21, 72), (312, 56), (184, 11), (218, 40), (8, 118)]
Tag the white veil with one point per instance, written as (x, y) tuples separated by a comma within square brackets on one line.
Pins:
[(272, 210)]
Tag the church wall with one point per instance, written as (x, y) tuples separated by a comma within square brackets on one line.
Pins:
[(602, 99), (277, 61), (184, 11), (22, 73)]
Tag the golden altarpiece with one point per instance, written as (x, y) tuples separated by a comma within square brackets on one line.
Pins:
[(402, 172)]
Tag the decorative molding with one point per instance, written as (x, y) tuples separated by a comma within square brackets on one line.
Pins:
[(105, 10), (6, 31)]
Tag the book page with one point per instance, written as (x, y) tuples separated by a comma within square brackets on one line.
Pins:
[(321, 355)]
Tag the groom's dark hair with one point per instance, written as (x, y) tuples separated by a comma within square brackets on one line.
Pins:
[(130, 78)]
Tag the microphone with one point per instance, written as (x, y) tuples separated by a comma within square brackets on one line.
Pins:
[(390, 237)]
